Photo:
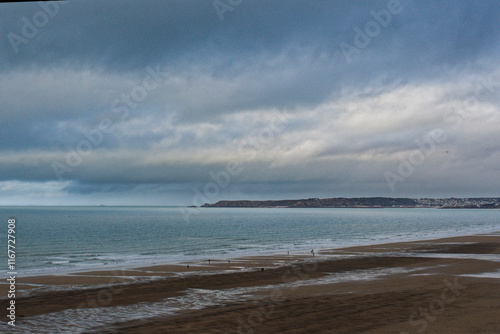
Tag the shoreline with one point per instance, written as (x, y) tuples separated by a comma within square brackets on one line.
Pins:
[(299, 250), (169, 295)]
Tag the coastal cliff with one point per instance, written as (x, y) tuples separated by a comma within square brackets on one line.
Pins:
[(364, 202)]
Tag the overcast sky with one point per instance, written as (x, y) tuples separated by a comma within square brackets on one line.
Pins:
[(180, 102)]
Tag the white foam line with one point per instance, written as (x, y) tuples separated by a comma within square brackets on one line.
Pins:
[(483, 257), (495, 274)]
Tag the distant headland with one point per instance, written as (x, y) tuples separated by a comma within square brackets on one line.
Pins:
[(366, 202)]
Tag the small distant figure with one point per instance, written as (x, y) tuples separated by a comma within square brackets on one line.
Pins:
[(312, 252), (188, 266), (229, 261), (288, 253), (208, 260), (261, 269)]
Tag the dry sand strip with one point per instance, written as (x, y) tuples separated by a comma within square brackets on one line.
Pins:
[(429, 286)]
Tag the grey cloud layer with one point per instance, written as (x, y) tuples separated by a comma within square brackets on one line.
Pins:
[(347, 122)]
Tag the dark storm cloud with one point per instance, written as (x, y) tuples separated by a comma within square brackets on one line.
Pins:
[(350, 117), (125, 35)]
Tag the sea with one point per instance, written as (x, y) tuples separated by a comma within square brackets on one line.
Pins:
[(59, 240)]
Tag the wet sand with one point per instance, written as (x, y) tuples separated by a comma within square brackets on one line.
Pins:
[(448, 285)]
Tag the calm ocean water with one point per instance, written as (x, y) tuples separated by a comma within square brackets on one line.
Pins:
[(52, 240)]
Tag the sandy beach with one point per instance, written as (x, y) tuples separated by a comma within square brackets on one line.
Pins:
[(449, 285)]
